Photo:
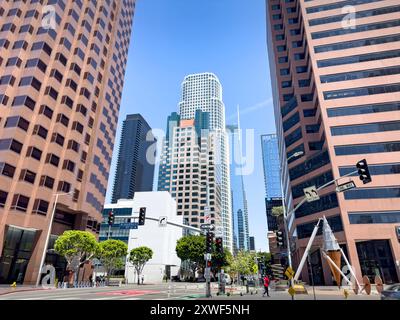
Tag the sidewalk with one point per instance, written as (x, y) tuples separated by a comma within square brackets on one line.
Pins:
[(21, 288)]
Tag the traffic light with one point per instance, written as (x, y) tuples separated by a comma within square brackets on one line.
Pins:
[(111, 218), (209, 242), (363, 171), (218, 245), (142, 216), (279, 238)]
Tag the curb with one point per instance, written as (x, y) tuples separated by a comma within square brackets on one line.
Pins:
[(24, 290)]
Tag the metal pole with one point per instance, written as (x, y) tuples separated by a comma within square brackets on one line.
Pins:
[(47, 240), (312, 275), (109, 231)]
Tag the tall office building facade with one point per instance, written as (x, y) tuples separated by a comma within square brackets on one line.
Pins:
[(135, 166), (203, 91), (335, 79), (240, 215), (271, 166), (188, 166), (62, 71)]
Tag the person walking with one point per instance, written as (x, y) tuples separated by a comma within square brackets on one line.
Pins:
[(266, 286), (142, 279)]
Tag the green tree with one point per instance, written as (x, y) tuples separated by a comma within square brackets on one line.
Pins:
[(192, 248), (76, 247), (139, 257), (277, 211), (220, 260), (243, 264), (111, 254)]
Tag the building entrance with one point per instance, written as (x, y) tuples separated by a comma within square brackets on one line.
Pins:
[(376, 258), (17, 251)]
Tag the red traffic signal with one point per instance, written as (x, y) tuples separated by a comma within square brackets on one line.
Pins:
[(218, 245), (111, 218)]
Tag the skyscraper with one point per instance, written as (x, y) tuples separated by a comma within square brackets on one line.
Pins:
[(204, 92), (271, 165), (252, 244), (62, 71), (240, 219), (188, 169), (135, 167), (335, 79)]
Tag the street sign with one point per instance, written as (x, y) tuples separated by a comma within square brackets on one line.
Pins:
[(345, 186), (162, 221), (218, 231), (291, 291), (289, 273), (207, 218), (128, 225), (311, 194), (207, 256), (207, 227)]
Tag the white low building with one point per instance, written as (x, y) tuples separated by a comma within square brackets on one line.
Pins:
[(160, 238)]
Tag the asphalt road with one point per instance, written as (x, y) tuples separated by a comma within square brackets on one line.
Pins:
[(174, 291)]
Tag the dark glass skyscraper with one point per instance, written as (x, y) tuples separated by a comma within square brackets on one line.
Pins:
[(273, 195), (134, 171)]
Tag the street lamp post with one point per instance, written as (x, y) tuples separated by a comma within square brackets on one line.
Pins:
[(53, 212), (285, 216), (208, 284)]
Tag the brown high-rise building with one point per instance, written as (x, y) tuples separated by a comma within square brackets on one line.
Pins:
[(62, 66), (335, 73)]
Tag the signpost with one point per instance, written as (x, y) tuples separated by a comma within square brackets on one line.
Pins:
[(128, 225), (289, 273), (207, 227), (345, 186), (311, 194), (162, 221)]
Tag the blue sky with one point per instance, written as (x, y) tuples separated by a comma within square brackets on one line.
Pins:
[(227, 37)]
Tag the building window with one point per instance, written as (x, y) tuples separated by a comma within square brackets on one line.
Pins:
[(367, 148), (28, 176), (372, 193), (3, 198), (7, 169), (20, 203), (40, 207), (46, 181)]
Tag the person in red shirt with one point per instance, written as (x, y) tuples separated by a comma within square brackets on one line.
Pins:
[(266, 285)]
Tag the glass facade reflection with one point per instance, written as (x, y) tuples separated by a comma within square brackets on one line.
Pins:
[(18, 247)]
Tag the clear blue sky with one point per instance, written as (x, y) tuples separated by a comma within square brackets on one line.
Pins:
[(227, 37)]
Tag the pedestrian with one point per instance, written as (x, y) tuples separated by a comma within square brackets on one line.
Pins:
[(266, 285), (142, 279)]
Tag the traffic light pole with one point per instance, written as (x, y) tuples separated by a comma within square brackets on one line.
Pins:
[(286, 217)]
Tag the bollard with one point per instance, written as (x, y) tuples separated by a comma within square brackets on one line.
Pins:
[(169, 291)]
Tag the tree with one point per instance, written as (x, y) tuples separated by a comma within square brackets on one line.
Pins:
[(244, 263), (277, 211), (192, 248), (139, 257), (111, 254), (220, 260), (76, 247)]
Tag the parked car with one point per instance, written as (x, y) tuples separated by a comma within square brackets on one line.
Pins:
[(392, 292)]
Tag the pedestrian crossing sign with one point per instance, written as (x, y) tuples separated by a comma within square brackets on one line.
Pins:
[(289, 273), (291, 291)]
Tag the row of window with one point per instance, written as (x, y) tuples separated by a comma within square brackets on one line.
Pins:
[(314, 163), (305, 230), (374, 169), (357, 43), (363, 91), (353, 75), (372, 193), (357, 28), (337, 5), (326, 202), (374, 217), (364, 109), (365, 128), (378, 147), (356, 15), (359, 58), (318, 181)]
